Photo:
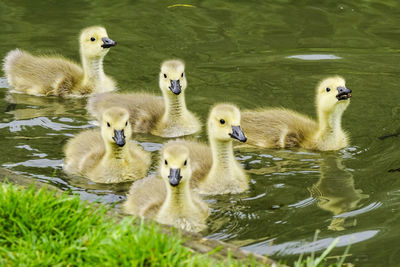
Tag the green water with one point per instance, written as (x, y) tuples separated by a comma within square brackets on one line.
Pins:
[(252, 54)]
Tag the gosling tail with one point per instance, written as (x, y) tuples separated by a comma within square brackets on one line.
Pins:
[(9, 61)]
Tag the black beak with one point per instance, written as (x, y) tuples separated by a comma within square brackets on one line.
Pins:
[(119, 137), (343, 93), (175, 87), (238, 134), (107, 42), (174, 176)]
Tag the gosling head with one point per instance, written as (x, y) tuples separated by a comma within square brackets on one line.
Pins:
[(115, 127), (224, 123), (94, 42), (172, 77), (332, 94), (175, 164)]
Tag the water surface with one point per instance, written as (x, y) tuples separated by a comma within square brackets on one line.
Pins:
[(252, 54)]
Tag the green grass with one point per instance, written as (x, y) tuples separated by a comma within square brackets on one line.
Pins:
[(312, 260), (38, 228)]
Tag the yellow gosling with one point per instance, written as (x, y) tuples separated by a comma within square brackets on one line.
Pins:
[(226, 175), (49, 75), (167, 117), (215, 169), (282, 128), (169, 199), (107, 156)]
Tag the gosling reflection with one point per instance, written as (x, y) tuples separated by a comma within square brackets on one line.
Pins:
[(335, 191), (24, 106)]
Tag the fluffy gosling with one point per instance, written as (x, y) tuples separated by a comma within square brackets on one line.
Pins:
[(215, 169), (282, 128), (167, 117), (57, 76), (107, 155), (169, 199)]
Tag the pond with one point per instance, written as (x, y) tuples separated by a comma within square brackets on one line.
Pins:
[(253, 54)]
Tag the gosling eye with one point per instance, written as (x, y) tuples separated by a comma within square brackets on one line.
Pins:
[(165, 76), (92, 39), (126, 123), (222, 121), (185, 163), (166, 162), (328, 89), (108, 124), (182, 75)]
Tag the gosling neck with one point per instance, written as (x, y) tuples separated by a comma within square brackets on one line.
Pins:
[(178, 197), (330, 123), (222, 155), (175, 107), (115, 152), (92, 69)]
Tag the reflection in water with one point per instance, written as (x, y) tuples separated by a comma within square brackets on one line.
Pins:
[(84, 184), (24, 106), (335, 191)]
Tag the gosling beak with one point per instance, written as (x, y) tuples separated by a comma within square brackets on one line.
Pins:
[(107, 42), (238, 134), (174, 176), (119, 137), (175, 87), (343, 93)]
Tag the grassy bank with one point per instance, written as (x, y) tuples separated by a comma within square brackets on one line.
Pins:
[(42, 228), (38, 228)]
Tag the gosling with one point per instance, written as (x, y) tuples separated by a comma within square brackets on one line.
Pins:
[(57, 76), (169, 199), (282, 128), (106, 155), (151, 114), (215, 169)]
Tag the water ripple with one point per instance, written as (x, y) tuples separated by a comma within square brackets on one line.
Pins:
[(16, 126), (298, 247), (39, 163), (304, 203), (352, 213), (315, 57), (3, 83)]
